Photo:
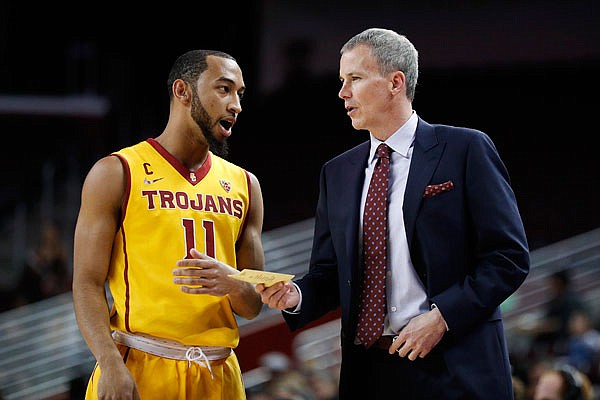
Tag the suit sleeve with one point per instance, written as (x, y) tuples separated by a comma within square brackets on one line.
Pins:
[(319, 286)]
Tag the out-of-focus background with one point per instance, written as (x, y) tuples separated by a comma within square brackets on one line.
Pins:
[(80, 81)]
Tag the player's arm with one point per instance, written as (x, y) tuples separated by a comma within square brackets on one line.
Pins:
[(245, 301), (97, 222)]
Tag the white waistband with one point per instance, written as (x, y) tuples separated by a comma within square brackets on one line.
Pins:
[(201, 355)]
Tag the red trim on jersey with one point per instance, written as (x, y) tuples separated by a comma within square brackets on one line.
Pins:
[(249, 188), (249, 207), (126, 259), (185, 172)]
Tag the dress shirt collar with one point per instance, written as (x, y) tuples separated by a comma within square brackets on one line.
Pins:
[(400, 141)]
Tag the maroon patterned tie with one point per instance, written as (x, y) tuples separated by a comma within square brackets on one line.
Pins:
[(373, 305)]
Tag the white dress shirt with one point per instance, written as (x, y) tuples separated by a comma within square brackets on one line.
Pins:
[(405, 293)]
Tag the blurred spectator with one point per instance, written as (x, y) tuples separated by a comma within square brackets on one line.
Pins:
[(534, 371), (323, 384), (47, 271), (551, 332), (252, 394), (519, 388), (583, 346), (8, 297), (563, 383), (286, 382), (275, 362)]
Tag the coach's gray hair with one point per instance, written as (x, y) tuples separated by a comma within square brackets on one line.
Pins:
[(393, 51)]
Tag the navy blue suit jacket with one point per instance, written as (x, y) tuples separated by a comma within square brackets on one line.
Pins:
[(468, 246)]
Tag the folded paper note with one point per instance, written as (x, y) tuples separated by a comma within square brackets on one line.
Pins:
[(268, 278)]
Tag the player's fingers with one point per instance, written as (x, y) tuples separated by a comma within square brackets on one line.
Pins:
[(201, 256), (259, 288)]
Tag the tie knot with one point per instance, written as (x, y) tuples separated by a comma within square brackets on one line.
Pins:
[(383, 151)]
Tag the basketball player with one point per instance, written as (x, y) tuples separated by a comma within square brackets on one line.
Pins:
[(165, 222)]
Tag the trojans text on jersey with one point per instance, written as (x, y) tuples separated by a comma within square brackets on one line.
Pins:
[(166, 199)]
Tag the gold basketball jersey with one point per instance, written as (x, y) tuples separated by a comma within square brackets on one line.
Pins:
[(168, 210)]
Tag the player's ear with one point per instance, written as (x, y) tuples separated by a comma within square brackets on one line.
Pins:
[(181, 91)]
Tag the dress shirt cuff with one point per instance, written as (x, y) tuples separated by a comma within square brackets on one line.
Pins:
[(295, 310), (433, 305)]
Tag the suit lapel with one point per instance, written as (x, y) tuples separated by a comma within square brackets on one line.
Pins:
[(426, 155), (352, 194), (349, 186)]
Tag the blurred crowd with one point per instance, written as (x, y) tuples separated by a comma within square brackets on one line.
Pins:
[(283, 378), (46, 272), (562, 352), (559, 360)]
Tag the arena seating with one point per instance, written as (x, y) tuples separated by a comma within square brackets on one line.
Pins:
[(42, 351)]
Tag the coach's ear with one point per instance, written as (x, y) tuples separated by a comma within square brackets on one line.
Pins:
[(397, 83)]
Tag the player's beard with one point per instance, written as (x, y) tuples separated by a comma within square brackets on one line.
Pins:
[(205, 122)]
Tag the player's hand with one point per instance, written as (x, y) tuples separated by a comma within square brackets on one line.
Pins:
[(116, 383), (205, 275)]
